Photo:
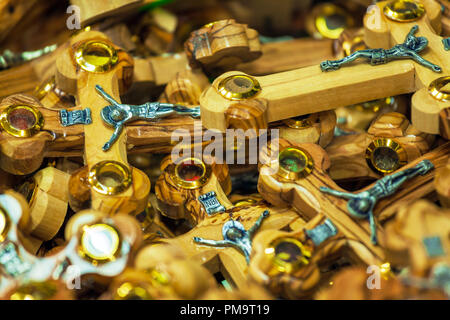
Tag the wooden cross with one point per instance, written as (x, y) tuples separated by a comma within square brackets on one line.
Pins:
[(301, 189), (356, 156), (288, 262), (90, 60), (182, 183), (229, 261), (308, 90)]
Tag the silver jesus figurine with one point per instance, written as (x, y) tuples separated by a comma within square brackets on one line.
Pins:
[(117, 114), (407, 50), (236, 236), (360, 205)]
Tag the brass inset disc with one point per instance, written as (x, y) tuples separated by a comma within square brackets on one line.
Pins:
[(330, 21), (436, 89), (404, 10), (110, 177), (294, 163), (301, 122), (288, 254), (239, 87), (21, 121), (96, 56), (190, 173), (384, 156), (4, 224), (99, 243)]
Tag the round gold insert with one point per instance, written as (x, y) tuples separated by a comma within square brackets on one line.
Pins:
[(190, 173), (99, 243), (4, 224), (35, 291), (404, 10), (239, 87), (294, 163), (21, 121), (436, 89), (384, 156), (288, 254), (96, 56), (110, 177)]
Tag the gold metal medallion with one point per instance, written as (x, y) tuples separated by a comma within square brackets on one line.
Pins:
[(21, 121), (96, 56), (294, 163), (239, 87), (110, 177), (384, 156), (190, 173)]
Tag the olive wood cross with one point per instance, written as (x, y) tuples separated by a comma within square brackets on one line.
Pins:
[(308, 90)]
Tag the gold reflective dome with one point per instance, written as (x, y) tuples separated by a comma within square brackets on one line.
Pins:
[(328, 21), (288, 254), (110, 177), (404, 10), (4, 224), (436, 89), (96, 56), (99, 243), (384, 155), (239, 87), (21, 121), (294, 163)]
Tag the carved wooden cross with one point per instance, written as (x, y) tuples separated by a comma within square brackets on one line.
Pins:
[(90, 60), (297, 183), (308, 90), (229, 261)]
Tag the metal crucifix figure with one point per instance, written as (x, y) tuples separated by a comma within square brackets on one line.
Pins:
[(407, 50), (117, 115), (236, 236), (360, 205)]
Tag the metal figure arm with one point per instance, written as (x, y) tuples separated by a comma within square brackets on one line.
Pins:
[(417, 58), (215, 243), (340, 194), (258, 223), (117, 131)]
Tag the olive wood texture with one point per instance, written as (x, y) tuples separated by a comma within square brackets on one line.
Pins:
[(93, 11), (222, 44), (178, 202), (74, 80), (230, 262), (308, 90), (406, 235), (302, 280), (304, 194), (347, 153)]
